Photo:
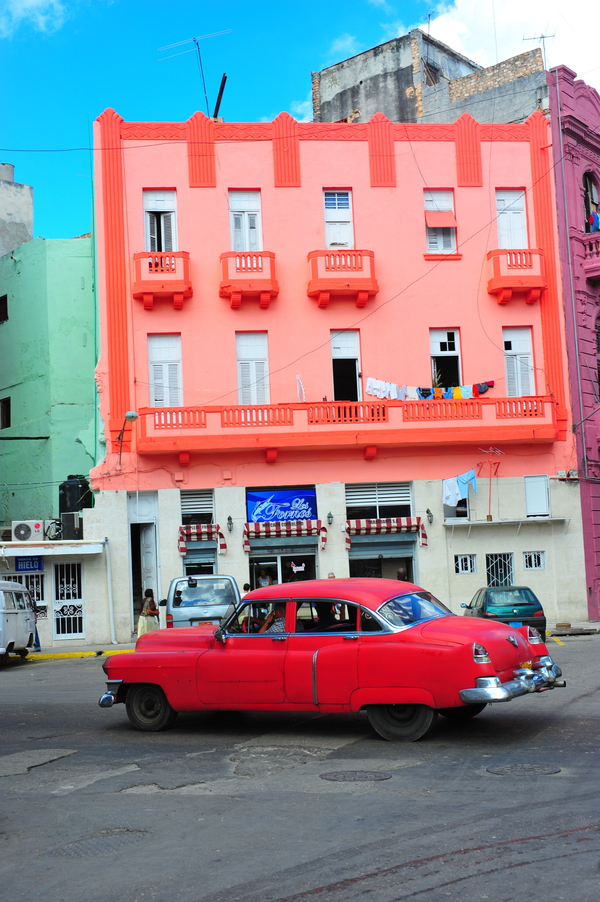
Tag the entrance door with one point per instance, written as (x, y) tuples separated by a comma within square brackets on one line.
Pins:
[(281, 568), (345, 363), (68, 601)]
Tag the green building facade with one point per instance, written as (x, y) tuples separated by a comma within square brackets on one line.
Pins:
[(47, 387)]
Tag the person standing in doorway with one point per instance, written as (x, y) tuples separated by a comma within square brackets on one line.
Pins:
[(148, 619), (264, 579)]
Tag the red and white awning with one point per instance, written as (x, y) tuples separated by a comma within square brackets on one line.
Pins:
[(201, 532), (385, 526), (277, 529)]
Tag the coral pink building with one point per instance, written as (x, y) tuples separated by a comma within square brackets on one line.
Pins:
[(320, 326)]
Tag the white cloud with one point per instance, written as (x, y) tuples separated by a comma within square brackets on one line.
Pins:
[(302, 109), (381, 4), (344, 47), (489, 31), (43, 15)]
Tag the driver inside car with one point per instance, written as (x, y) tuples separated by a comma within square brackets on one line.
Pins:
[(275, 621)]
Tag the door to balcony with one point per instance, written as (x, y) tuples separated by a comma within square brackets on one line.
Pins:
[(345, 365)]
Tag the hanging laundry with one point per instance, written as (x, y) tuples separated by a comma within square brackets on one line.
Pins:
[(411, 393), (450, 492), (437, 393), (476, 391), (401, 392), (457, 392), (463, 483), (467, 391), (482, 387), (490, 384), (448, 392), (425, 393)]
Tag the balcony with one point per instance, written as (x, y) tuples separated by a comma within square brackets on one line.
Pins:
[(342, 274), (162, 275), (248, 275), (591, 256), (359, 424), (519, 271)]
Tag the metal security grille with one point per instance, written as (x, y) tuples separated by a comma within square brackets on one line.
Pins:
[(465, 563), (68, 601), (534, 560), (500, 569)]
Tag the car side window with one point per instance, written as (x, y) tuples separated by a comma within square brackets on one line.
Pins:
[(259, 617), (326, 615), (9, 601), (368, 623), (20, 601)]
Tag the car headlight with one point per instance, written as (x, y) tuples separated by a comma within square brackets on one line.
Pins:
[(480, 654)]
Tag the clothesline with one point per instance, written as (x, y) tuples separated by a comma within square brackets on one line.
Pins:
[(394, 392), (456, 488)]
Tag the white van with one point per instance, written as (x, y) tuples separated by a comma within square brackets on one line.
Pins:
[(17, 620)]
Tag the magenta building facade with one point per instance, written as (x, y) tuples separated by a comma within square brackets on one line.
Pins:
[(575, 121)]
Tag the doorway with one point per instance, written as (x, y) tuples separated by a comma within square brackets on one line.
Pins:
[(383, 568), (143, 563), (282, 568), (345, 366)]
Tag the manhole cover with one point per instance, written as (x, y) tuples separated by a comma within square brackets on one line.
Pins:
[(103, 844), (356, 776), (523, 770)]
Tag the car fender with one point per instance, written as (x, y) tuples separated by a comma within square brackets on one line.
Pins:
[(174, 672), (390, 696)]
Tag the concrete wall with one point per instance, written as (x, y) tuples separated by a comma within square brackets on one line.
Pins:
[(47, 358), (16, 211)]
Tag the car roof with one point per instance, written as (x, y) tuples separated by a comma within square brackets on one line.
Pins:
[(371, 593), (508, 588)]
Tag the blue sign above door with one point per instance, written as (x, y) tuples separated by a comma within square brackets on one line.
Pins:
[(281, 505)]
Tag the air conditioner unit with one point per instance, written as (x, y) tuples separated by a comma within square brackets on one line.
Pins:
[(28, 530)]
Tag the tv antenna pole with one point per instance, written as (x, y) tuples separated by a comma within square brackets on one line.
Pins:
[(196, 47), (542, 38)]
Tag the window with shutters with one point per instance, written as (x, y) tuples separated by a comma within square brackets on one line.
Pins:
[(245, 221), (440, 222), (164, 361), (252, 353), (512, 224), (373, 500), (338, 219), (197, 506), (590, 201), (444, 346), (160, 212), (537, 498), (518, 362)]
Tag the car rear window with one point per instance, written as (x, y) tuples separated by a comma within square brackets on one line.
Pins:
[(204, 593), (413, 607), (517, 597)]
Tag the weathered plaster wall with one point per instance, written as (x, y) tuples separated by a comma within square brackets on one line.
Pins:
[(16, 210)]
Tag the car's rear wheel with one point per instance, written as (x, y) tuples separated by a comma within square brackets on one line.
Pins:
[(466, 712), (405, 723), (148, 708)]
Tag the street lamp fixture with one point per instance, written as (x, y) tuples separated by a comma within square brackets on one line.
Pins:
[(130, 417)]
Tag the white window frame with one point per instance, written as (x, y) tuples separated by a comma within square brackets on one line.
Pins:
[(164, 371), (511, 216), (339, 229), (534, 560), (465, 564), (252, 357), (245, 221), (440, 240), (518, 362), (537, 496), (440, 338), (160, 221)]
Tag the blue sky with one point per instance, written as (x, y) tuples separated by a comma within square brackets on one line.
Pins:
[(64, 61)]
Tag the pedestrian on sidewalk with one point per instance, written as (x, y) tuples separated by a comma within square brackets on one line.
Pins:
[(148, 619)]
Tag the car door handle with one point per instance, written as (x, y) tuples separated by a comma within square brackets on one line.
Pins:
[(279, 638), (350, 637)]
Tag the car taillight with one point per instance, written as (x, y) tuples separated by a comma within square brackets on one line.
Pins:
[(539, 614), (169, 621), (480, 654), (533, 635), (489, 614)]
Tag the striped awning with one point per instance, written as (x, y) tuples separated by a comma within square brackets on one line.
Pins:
[(201, 532), (383, 526), (276, 529)]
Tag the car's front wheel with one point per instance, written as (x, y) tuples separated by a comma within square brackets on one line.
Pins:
[(405, 723), (148, 709), (466, 712)]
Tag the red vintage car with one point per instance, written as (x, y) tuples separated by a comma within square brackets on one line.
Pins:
[(384, 646)]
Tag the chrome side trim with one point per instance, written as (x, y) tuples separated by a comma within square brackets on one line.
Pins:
[(314, 668)]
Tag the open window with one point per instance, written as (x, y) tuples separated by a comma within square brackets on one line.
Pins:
[(444, 345), (440, 222), (590, 201), (160, 214)]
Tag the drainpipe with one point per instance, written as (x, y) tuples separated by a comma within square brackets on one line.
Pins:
[(111, 605)]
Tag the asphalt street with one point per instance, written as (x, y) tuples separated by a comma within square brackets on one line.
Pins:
[(286, 808)]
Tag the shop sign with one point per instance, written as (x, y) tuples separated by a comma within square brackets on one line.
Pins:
[(30, 564), (281, 505)]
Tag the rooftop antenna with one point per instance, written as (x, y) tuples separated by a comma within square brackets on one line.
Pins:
[(196, 42), (542, 38)]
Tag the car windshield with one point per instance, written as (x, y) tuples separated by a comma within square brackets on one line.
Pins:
[(502, 597), (203, 593), (412, 608)]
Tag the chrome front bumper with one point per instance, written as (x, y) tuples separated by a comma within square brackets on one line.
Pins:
[(490, 689), (110, 696)]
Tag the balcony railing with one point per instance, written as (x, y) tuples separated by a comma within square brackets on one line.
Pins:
[(349, 274), (248, 275), (348, 424), (516, 270), (590, 244), (162, 275)]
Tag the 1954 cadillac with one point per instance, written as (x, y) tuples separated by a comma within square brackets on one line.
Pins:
[(383, 646)]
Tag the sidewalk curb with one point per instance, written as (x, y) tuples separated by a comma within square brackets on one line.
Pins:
[(61, 655)]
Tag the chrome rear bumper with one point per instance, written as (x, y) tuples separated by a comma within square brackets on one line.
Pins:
[(490, 689), (110, 696)]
